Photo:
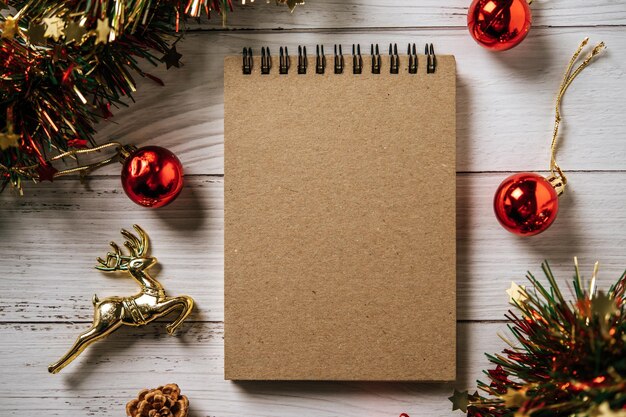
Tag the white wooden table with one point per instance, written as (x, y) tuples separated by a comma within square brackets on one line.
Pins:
[(51, 236)]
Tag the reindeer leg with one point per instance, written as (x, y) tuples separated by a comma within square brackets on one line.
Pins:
[(98, 330), (170, 304), (187, 304)]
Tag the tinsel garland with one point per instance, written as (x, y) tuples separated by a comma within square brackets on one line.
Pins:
[(566, 358), (65, 63)]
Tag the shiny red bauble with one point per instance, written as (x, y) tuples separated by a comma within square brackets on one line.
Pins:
[(499, 24), (152, 176), (526, 204)]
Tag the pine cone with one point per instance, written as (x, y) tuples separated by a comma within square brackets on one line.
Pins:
[(164, 401)]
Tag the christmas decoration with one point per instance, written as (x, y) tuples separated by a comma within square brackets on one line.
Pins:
[(499, 24), (290, 3), (65, 63), (164, 401), (148, 305), (568, 359), (152, 176), (527, 204), (172, 58), (9, 28)]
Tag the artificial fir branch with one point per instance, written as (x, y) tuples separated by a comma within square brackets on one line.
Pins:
[(568, 359)]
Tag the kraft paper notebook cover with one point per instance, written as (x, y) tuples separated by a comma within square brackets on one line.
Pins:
[(340, 221)]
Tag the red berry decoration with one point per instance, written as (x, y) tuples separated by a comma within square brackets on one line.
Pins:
[(152, 176), (499, 24), (526, 204)]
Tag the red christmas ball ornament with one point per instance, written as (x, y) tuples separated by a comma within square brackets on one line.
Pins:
[(151, 176), (526, 204), (499, 24)]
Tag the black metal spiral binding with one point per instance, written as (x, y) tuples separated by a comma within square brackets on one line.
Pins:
[(320, 60), (247, 61), (302, 60), (285, 61), (375, 60), (339, 64), (394, 59), (431, 59), (412, 54), (357, 60), (266, 60), (339, 61)]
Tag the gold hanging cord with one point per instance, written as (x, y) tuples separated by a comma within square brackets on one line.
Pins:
[(121, 150), (557, 174), (87, 167)]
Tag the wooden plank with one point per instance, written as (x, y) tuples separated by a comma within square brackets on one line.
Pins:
[(187, 237), (111, 372), (52, 236), (405, 13), (505, 101)]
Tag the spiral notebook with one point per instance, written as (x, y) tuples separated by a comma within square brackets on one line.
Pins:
[(339, 212)]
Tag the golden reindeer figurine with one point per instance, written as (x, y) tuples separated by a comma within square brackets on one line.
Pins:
[(137, 310)]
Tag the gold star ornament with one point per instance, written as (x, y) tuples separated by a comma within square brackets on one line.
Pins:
[(36, 33), (460, 400), (604, 306), (172, 58), (604, 410), (514, 398), (55, 27), (517, 294), (9, 28), (291, 3), (8, 140), (102, 31), (74, 32)]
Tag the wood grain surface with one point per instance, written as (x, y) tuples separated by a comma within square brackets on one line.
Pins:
[(51, 236)]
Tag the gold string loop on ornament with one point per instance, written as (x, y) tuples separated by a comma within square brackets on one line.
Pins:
[(30, 170), (558, 178), (87, 167)]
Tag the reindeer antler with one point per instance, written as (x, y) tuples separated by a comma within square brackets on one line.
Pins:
[(105, 265), (136, 246)]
